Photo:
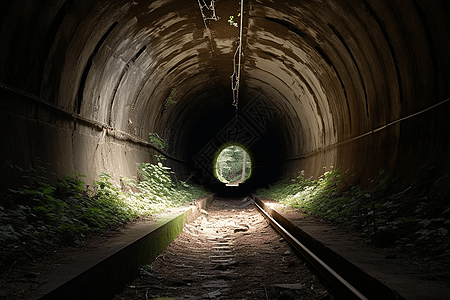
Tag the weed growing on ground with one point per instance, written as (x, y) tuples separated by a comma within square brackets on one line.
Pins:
[(388, 219), (42, 216), (158, 190)]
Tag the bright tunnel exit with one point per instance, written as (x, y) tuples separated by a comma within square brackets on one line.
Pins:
[(233, 165)]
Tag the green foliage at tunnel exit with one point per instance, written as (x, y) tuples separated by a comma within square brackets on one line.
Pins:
[(402, 219), (231, 163), (45, 214)]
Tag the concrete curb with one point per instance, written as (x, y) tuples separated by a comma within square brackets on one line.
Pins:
[(369, 286), (103, 273)]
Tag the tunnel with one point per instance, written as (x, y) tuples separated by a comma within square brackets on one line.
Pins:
[(362, 86)]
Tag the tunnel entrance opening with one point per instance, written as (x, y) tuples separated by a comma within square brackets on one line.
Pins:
[(232, 165)]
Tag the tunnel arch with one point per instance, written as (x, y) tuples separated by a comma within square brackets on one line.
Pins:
[(324, 82)]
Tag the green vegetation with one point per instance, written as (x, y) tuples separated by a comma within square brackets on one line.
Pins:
[(43, 215), (157, 189), (231, 21), (318, 197), (156, 140), (169, 101), (233, 165), (388, 219)]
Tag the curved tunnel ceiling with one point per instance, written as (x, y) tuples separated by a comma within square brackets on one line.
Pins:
[(318, 77)]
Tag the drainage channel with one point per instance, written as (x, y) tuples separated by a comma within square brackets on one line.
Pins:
[(229, 252)]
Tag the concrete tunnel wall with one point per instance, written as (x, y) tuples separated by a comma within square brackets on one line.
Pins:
[(323, 83)]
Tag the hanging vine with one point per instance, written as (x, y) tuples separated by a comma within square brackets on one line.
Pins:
[(211, 9), (211, 15), (236, 76)]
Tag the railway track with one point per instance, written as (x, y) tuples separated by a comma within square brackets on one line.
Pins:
[(234, 251), (342, 286)]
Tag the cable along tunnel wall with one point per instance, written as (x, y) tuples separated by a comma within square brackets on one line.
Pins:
[(315, 75)]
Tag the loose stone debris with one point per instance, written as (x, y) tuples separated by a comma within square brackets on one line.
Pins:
[(229, 252)]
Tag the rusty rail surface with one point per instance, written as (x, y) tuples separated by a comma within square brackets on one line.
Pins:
[(339, 283)]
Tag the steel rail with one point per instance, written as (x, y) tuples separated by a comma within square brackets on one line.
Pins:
[(339, 283)]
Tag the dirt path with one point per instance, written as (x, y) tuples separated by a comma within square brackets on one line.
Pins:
[(230, 252)]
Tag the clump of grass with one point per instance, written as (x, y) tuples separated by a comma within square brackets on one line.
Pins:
[(388, 219), (43, 215), (157, 189), (313, 196)]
